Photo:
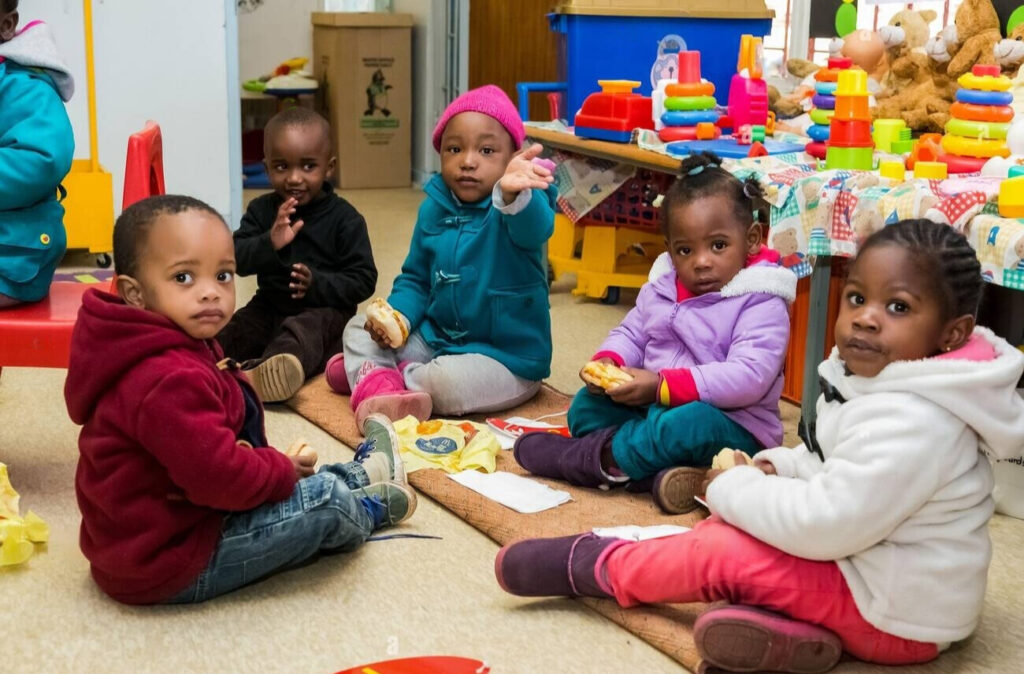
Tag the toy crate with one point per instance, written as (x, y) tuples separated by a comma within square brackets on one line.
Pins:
[(630, 206), (793, 384), (646, 33)]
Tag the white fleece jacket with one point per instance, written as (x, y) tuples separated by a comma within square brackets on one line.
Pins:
[(902, 499)]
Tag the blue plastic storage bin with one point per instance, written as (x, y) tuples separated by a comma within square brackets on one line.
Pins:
[(596, 47)]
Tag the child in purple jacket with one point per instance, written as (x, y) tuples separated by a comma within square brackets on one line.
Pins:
[(705, 344)]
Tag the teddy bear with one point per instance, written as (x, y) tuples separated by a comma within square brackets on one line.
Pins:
[(1010, 51), (924, 105), (906, 33), (975, 32), (787, 245), (865, 222)]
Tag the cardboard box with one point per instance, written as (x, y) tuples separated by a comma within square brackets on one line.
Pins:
[(363, 63), (733, 9)]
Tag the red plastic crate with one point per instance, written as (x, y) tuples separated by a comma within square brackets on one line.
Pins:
[(793, 372), (630, 205)]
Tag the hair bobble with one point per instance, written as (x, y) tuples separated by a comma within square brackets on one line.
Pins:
[(696, 170), (749, 190)]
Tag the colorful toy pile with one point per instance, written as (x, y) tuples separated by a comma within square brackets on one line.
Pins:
[(849, 141), (980, 120), (748, 92), (824, 101), (689, 104)]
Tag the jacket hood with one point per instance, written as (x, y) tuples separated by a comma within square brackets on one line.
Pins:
[(763, 277), (981, 393), (110, 338), (34, 47)]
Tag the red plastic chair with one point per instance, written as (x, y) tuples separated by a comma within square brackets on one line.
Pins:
[(144, 167), (39, 334)]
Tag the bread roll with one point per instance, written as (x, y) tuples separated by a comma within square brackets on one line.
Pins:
[(605, 375), (301, 448), (380, 314)]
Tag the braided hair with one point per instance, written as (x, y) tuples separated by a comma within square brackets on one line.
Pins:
[(132, 227), (701, 175), (943, 255)]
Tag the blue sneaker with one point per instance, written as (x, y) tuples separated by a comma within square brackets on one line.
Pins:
[(387, 503), (380, 451)]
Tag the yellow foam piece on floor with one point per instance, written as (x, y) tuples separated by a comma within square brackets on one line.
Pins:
[(37, 530), (16, 548), (8, 497)]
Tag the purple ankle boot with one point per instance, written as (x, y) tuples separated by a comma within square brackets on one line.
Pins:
[(552, 567), (746, 639), (575, 460)]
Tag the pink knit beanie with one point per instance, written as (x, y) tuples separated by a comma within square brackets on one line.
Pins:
[(491, 101)]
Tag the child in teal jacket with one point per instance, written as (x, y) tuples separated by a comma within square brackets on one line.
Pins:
[(36, 148), (473, 292)]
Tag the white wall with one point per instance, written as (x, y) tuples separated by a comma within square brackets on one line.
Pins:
[(274, 32), (160, 60)]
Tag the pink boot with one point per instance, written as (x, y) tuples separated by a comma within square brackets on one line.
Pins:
[(382, 391), (335, 375), (746, 639)]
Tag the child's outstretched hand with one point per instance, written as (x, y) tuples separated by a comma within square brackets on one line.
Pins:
[(522, 173), (740, 459), (643, 390), (302, 278), (304, 464), (283, 231)]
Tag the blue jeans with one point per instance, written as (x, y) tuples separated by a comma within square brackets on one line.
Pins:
[(655, 437), (321, 515)]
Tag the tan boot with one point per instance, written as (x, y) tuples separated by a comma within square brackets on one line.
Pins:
[(277, 378)]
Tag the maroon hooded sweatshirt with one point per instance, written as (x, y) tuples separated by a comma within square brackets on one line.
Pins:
[(159, 461)]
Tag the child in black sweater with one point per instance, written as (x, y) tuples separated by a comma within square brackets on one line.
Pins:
[(311, 254)]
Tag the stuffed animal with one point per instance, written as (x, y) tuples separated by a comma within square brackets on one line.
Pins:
[(906, 33), (924, 105), (1010, 51), (975, 33)]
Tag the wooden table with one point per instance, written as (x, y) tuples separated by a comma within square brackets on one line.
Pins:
[(622, 152)]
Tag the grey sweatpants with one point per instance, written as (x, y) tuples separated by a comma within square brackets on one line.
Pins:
[(457, 384)]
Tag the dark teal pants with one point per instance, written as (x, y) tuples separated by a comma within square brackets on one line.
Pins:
[(655, 437)]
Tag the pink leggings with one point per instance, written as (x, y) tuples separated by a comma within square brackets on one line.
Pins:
[(717, 561)]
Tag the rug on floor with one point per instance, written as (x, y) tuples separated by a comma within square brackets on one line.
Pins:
[(668, 628)]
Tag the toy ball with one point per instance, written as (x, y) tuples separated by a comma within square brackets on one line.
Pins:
[(1015, 139), (846, 18), (865, 48)]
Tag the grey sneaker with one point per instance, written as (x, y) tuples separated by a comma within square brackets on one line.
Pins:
[(277, 378), (387, 503), (380, 451)]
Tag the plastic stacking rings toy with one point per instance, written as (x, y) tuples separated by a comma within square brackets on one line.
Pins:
[(827, 88), (824, 101), (826, 75), (984, 97), (689, 89), (974, 147), (984, 82), (819, 116), (702, 131), (973, 129), (689, 102), (689, 117), (982, 113), (818, 132)]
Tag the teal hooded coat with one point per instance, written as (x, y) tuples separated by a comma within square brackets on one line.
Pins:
[(475, 279), (36, 148)]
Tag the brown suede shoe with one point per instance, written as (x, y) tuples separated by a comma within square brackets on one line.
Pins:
[(277, 378), (674, 489)]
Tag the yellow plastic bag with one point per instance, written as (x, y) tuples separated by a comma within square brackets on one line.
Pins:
[(17, 534), (452, 446)]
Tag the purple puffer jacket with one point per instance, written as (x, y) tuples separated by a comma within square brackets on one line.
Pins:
[(733, 342)]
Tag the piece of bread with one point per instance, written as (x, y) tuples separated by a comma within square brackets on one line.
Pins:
[(605, 375), (380, 314), (301, 448), (726, 459)]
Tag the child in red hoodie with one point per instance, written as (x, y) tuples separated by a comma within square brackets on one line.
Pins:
[(182, 499)]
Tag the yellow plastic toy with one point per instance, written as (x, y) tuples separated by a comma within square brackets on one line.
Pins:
[(932, 170), (610, 257), (1011, 198), (894, 170), (89, 206), (984, 82), (975, 147)]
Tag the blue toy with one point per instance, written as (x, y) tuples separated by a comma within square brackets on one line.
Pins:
[(689, 117), (984, 97), (727, 147)]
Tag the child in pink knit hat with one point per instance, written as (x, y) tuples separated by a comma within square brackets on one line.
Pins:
[(472, 297)]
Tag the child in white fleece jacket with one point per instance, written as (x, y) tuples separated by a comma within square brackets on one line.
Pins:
[(870, 539)]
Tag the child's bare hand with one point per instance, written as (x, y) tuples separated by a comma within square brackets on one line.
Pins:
[(643, 390), (766, 467), (594, 388), (304, 465), (302, 278), (523, 174), (378, 334), (709, 477), (283, 231)]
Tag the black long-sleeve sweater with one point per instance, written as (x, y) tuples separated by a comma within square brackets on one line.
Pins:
[(333, 243)]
